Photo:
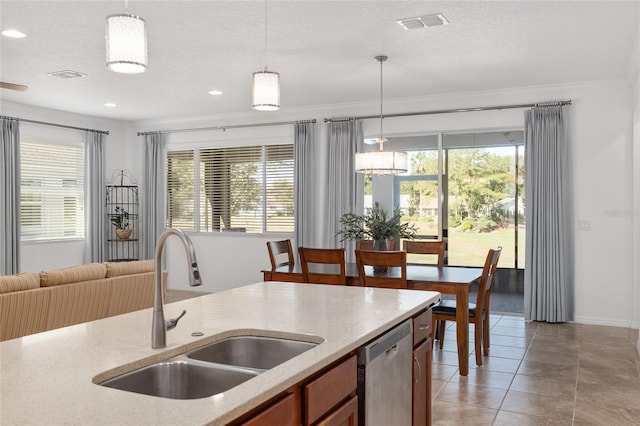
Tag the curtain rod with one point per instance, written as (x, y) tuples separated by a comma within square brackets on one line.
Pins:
[(447, 111), (106, 132), (223, 128)]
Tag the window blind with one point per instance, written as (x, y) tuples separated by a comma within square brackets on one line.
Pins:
[(52, 191), (241, 189), (180, 190)]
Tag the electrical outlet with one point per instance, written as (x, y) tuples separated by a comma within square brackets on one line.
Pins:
[(584, 225)]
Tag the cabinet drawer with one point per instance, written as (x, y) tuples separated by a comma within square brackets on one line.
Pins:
[(324, 393), (422, 324), (345, 415), (282, 413)]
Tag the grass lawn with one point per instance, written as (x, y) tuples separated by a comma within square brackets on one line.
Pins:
[(470, 248)]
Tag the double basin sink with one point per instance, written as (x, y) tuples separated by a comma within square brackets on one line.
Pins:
[(210, 369)]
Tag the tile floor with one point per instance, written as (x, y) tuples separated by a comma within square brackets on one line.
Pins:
[(540, 374)]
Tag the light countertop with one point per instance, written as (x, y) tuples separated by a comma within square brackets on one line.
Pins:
[(47, 378)]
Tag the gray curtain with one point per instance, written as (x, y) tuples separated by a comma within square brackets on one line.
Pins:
[(549, 271), (345, 188), (305, 175), (153, 209), (10, 196), (94, 196)]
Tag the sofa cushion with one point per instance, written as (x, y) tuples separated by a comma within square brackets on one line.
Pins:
[(74, 274), (116, 269), (23, 281)]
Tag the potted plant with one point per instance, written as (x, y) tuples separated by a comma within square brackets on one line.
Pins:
[(120, 219), (376, 226)]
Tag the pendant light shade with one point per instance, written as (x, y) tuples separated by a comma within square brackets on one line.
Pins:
[(266, 90), (266, 84), (126, 37), (381, 162)]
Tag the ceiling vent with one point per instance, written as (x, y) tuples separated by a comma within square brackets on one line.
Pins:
[(66, 74), (425, 21)]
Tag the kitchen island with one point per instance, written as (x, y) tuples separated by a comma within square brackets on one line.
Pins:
[(48, 378)]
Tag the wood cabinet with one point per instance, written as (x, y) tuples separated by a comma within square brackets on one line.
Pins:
[(281, 413), (422, 347), (327, 391), (345, 415), (328, 398)]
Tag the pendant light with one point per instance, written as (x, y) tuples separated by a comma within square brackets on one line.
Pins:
[(266, 84), (381, 162), (126, 37)]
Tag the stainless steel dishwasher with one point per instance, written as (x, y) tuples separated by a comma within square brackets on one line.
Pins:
[(385, 378)]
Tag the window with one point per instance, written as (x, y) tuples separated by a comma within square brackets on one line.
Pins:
[(243, 189), (52, 191)]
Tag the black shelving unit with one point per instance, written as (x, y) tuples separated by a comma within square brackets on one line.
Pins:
[(122, 197)]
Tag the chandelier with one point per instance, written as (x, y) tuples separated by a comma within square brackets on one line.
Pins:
[(381, 162)]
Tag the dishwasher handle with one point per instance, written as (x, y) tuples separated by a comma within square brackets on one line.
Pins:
[(385, 343)]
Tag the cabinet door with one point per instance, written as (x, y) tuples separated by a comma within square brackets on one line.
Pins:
[(422, 324), (422, 384), (282, 413), (345, 415), (328, 390)]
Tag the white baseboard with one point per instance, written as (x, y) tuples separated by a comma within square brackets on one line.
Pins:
[(605, 321)]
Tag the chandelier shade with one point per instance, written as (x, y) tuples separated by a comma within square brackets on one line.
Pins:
[(266, 91), (381, 162), (126, 38)]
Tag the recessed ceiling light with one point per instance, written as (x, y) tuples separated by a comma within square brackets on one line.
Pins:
[(14, 34), (110, 104), (215, 92)]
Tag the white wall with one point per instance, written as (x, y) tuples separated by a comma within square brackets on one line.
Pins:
[(636, 205), (634, 76), (602, 139)]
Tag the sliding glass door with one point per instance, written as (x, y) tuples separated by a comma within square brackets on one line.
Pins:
[(467, 188), (485, 204)]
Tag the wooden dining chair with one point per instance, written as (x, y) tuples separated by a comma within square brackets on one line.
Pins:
[(323, 266), (278, 248), (436, 248), (369, 244), (369, 261), (478, 312)]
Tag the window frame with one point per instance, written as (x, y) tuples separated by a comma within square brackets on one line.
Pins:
[(197, 150)]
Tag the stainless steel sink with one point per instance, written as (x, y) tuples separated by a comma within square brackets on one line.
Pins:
[(211, 369), (179, 378), (256, 352)]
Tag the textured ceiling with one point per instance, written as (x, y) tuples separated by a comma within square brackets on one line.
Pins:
[(323, 51)]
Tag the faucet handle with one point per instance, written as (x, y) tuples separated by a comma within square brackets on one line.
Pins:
[(170, 324)]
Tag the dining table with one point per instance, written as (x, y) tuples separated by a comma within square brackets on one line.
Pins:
[(453, 280)]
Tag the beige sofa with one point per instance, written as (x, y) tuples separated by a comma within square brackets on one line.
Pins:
[(34, 302)]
